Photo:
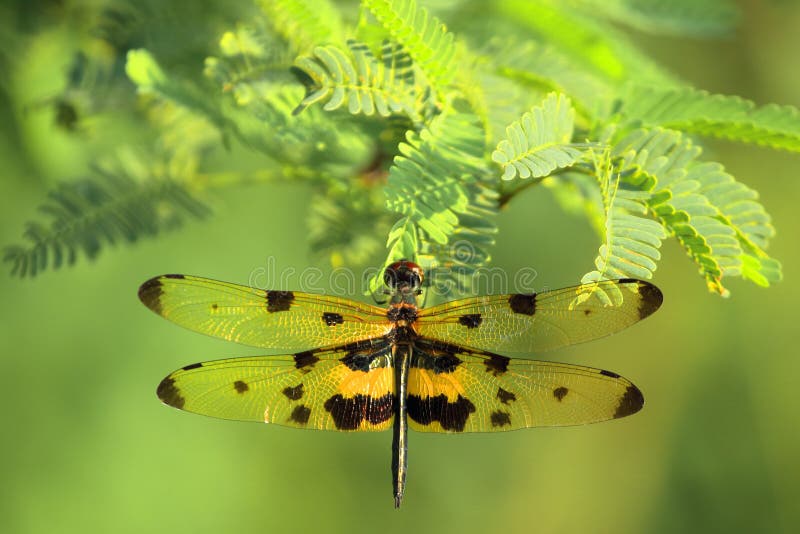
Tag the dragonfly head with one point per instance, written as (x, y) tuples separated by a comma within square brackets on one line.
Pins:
[(403, 275)]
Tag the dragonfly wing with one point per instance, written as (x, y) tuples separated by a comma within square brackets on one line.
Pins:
[(520, 323), (344, 388), (453, 389), (287, 320)]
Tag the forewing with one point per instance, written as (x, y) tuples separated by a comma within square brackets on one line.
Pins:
[(345, 388), (520, 323), (287, 320), (452, 389)]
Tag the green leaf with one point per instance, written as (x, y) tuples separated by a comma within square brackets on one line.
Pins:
[(437, 184), (676, 17), (726, 117), (423, 36), (540, 142), (145, 72), (304, 24), (429, 107), (113, 206), (242, 113), (403, 244), (468, 248), (252, 64), (585, 39), (346, 227), (426, 181), (715, 218), (532, 64), (359, 80), (631, 240)]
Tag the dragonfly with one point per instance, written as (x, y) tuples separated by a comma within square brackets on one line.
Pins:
[(357, 367)]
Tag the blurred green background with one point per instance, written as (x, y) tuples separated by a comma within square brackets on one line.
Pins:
[(87, 447)]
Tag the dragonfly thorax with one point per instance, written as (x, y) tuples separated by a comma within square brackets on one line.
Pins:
[(402, 314)]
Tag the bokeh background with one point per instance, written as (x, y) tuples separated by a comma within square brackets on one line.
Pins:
[(85, 446)]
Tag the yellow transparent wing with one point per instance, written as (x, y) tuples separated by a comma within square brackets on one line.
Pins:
[(520, 323), (452, 389), (345, 388), (287, 320)]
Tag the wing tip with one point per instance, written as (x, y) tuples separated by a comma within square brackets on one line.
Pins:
[(169, 393), (651, 296), (150, 291), (631, 402)]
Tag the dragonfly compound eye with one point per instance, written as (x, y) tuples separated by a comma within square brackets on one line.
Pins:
[(403, 274)]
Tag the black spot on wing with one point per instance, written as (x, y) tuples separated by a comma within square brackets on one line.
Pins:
[(652, 298), (240, 387), (305, 359), (496, 364), (438, 357), (610, 374), (192, 366), (630, 403), (300, 414), (214, 306), (349, 412), (169, 393), (294, 393), (560, 392), (506, 397), (357, 361), (150, 294), (332, 319), (175, 276), (446, 363), (380, 409), (362, 355), (499, 418), (278, 301), (472, 320), (524, 304), (451, 415)]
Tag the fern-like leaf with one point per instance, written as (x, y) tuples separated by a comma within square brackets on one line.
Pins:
[(533, 65), (631, 240), (540, 142), (426, 180), (715, 218), (658, 161), (359, 80), (436, 185), (403, 244), (346, 227), (304, 24), (676, 17), (425, 38), (143, 70), (589, 42), (88, 214), (251, 64), (713, 115), (290, 140), (740, 210), (468, 249)]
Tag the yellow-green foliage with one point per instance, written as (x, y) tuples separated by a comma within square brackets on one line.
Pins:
[(391, 117)]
